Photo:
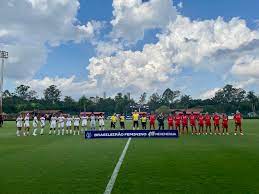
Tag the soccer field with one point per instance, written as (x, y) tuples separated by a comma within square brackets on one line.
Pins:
[(189, 164)]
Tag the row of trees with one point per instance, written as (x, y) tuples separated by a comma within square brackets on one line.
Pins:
[(228, 99)]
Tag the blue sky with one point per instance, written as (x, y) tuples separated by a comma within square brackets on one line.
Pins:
[(78, 54), (71, 58)]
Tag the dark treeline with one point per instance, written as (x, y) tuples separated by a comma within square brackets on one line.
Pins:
[(227, 100)]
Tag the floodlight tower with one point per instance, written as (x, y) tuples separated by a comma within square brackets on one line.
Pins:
[(3, 56)]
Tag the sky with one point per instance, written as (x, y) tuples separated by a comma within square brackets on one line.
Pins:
[(89, 47)]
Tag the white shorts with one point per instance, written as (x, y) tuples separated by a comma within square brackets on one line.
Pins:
[(84, 123), (61, 125), (42, 125), (101, 122), (93, 123), (35, 125), (53, 125), (19, 125), (26, 124), (68, 124)]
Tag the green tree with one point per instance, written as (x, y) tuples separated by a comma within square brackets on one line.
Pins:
[(228, 99), (142, 99), (154, 101), (52, 94), (185, 101), (24, 92), (252, 98), (163, 109), (169, 96), (7, 94), (85, 104)]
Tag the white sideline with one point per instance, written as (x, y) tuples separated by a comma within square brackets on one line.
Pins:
[(116, 170)]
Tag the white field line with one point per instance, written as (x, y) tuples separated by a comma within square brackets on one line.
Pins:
[(116, 170)]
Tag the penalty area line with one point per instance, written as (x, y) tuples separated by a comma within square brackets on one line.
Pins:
[(116, 170)]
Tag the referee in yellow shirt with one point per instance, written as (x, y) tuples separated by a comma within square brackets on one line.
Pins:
[(113, 121), (144, 121), (122, 121), (135, 118)]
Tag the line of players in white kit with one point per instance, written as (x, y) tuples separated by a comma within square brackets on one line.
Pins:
[(60, 123)]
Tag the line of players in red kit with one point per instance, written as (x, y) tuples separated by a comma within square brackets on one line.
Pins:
[(200, 124)]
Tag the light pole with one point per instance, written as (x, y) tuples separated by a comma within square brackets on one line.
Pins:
[(3, 56)]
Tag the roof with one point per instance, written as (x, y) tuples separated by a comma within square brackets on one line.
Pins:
[(195, 110), (89, 113), (41, 111)]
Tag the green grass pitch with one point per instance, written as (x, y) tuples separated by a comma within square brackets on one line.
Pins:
[(189, 164)]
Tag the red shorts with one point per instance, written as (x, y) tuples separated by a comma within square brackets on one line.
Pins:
[(208, 124), (184, 124), (152, 122), (216, 124), (225, 125), (193, 124), (170, 124), (177, 124), (238, 124), (201, 124)]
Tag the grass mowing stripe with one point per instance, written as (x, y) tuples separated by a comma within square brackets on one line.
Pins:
[(116, 170)]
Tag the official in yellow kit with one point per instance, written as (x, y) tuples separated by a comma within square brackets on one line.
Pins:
[(122, 121), (144, 121), (113, 121), (135, 118)]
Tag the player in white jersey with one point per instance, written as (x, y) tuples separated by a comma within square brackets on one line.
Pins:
[(84, 122), (27, 124), (61, 124), (19, 122), (42, 124), (53, 124), (35, 125), (101, 121), (92, 121), (76, 124), (69, 124)]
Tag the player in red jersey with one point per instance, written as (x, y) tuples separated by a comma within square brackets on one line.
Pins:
[(238, 122), (184, 122), (152, 120), (207, 123), (216, 119), (177, 120), (192, 119), (224, 124), (170, 121), (201, 124)]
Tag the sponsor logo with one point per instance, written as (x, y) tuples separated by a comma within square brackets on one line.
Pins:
[(131, 133)]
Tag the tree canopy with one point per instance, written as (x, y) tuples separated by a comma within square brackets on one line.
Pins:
[(228, 100)]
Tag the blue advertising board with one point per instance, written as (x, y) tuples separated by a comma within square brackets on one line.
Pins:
[(131, 133)]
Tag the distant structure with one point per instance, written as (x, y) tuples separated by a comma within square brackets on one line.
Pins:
[(89, 113), (195, 110), (128, 95), (104, 95), (94, 99)]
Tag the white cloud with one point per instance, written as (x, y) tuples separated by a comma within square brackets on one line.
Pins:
[(180, 5), (209, 94), (107, 48), (69, 86), (244, 83), (193, 41), (185, 44), (28, 26), (246, 66), (133, 17), (228, 48)]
